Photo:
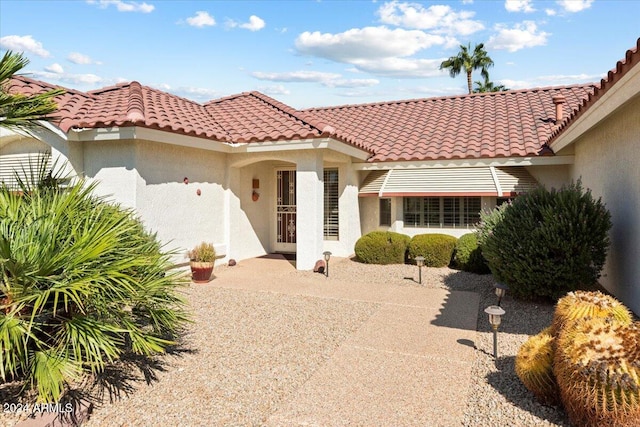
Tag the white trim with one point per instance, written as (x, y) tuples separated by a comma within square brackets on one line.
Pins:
[(621, 92), (496, 181), (136, 132), (384, 183), (456, 163)]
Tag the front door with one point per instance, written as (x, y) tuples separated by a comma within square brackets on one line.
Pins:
[(285, 211)]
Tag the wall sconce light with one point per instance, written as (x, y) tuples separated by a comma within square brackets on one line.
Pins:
[(255, 196), (420, 262), (495, 314), (185, 180), (256, 184), (327, 255), (198, 192)]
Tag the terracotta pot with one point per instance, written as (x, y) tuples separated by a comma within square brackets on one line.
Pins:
[(201, 271)]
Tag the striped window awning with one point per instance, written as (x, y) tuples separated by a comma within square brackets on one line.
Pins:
[(463, 181), (24, 164)]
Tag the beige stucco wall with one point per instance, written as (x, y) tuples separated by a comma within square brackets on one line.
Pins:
[(551, 176), (169, 206), (607, 158)]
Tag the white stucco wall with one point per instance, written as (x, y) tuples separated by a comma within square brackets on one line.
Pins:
[(551, 176), (172, 208), (607, 158)]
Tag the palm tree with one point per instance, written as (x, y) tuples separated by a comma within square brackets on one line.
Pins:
[(83, 288), (21, 112), (466, 62), (488, 86)]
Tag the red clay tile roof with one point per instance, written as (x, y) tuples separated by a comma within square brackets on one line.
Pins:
[(127, 105), (254, 117), (500, 124), (631, 58)]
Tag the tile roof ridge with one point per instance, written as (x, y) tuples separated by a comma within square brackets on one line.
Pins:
[(135, 109), (226, 98), (50, 86), (308, 118), (631, 59), (461, 96)]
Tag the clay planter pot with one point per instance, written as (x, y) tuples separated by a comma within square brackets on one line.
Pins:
[(201, 271)]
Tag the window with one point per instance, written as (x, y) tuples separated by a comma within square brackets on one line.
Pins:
[(451, 212), (385, 211), (331, 224)]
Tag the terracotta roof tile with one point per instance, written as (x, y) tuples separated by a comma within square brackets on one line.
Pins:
[(499, 124), (631, 59)]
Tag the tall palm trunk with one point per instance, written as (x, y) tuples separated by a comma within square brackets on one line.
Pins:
[(469, 84)]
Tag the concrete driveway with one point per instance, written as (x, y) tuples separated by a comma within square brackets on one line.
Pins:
[(408, 364)]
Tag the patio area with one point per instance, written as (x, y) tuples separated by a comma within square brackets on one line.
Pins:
[(365, 346)]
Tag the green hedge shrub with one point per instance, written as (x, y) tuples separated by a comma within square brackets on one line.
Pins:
[(382, 247), (437, 249), (467, 255), (549, 242)]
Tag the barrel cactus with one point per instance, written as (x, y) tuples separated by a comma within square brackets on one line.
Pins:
[(534, 367), (582, 304), (597, 367)]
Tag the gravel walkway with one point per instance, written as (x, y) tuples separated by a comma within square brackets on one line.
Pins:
[(248, 352)]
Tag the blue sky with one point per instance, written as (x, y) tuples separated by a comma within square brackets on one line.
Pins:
[(315, 53)]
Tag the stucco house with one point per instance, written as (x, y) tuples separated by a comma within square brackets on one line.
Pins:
[(256, 176)]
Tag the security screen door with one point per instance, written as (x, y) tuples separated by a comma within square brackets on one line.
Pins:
[(285, 211)]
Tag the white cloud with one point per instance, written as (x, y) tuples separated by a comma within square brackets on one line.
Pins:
[(522, 35), (365, 43), (519, 6), (24, 44), (255, 24), (551, 80), (440, 19), (55, 68), (401, 67), (274, 90), (76, 79), (124, 6), (550, 12), (197, 92), (467, 1), (325, 79), (296, 76), (573, 6), (78, 58), (201, 19)]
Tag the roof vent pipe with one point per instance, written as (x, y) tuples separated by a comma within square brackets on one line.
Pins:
[(558, 101)]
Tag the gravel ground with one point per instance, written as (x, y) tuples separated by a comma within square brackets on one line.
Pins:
[(248, 351)]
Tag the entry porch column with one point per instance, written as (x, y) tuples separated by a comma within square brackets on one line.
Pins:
[(310, 209)]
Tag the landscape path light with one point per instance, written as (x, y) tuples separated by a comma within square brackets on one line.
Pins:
[(327, 255), (501, 289), (495, 313), (420, 262)]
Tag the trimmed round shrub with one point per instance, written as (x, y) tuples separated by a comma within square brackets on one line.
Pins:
[(382, 247), (437, 249), (548, 243), (468, 256)]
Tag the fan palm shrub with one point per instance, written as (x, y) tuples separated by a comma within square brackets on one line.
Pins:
[(82, 284)]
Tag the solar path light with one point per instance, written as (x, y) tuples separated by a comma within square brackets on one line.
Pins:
[(495, 313), (327, 255), (420, 262)]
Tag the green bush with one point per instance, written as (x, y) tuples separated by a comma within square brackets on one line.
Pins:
[(468, 256), (549, 242), (84, 289), (382, 247), (437, 249)]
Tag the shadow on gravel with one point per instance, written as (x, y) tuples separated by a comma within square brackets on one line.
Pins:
[(507, 383), (118, 380)]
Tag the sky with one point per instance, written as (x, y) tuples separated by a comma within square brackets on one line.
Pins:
[(312, 53)]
